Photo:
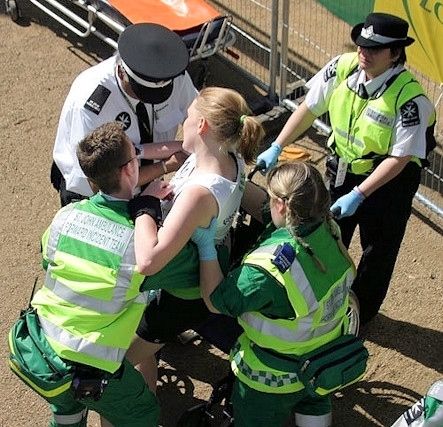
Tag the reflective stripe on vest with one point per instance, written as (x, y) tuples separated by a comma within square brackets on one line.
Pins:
[(308, 327), (91, 303), (119, 300), (320, 309), (78, 344), (368, 135), (246, 368)]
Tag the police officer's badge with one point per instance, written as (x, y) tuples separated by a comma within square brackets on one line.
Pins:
[(124, 118)]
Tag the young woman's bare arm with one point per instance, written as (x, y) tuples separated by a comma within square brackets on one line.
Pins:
[(194, 207)]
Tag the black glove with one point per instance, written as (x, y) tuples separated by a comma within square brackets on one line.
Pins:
[(145, 205)]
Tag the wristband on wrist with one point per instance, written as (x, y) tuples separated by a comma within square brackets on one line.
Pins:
[(149, 205), (165, 169), (359, 192)]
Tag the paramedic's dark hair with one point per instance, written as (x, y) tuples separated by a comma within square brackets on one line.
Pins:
[(101, 153)]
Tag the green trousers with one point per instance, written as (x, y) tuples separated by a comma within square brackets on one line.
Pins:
[(126, 401), (253, 408)]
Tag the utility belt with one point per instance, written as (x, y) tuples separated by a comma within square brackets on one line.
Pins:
[(90, 382), (362, 167)]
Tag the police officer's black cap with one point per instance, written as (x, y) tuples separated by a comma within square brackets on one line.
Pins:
[(152, 53), (381, 30)]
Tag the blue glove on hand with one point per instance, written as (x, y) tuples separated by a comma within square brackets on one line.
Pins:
[(347, 205), (204, 239), (269, 157)]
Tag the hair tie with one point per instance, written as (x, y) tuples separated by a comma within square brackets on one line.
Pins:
[(242, 118)]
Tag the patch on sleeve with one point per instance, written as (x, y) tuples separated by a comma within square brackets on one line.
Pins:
[(124, 118), (331, 71), (97, 99), (409, 114)]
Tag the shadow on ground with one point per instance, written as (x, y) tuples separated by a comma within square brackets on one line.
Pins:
[(365, 404)]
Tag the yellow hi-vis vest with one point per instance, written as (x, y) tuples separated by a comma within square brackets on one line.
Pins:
[(362, 129), (319, 301), (90, 304)]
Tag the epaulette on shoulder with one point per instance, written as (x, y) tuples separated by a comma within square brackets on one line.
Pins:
[(284, 257), (97, 99)]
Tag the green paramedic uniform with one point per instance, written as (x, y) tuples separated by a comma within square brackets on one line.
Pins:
[(89, 308), (283, 314)]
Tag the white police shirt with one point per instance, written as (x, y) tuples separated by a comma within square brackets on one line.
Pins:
[(96, 98)]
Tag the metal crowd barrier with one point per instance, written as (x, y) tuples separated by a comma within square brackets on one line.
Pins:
[(281, 44)]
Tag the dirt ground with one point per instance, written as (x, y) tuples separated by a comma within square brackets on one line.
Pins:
[(39, 60)]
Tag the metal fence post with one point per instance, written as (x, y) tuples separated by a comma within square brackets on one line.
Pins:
[(273, 54), (284, 50)]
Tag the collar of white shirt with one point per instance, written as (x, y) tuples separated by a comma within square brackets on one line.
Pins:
[(376, 85)]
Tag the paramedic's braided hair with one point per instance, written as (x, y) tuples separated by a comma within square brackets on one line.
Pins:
[(303, 190), (230, 119)]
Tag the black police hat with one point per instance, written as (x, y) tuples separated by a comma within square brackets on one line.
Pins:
[(152, 56), (381, 30)]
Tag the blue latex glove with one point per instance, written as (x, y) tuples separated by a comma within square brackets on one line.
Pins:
[(347, 205), (269, 157), (204, 239)]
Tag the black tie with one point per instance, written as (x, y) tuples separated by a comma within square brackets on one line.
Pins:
[(144, 128), (362, 93), (143, 123)]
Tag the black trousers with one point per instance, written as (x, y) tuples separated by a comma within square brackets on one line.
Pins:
[(67, 196), (59, 183), (382, 219)]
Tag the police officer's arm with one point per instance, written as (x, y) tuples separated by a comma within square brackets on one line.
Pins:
[(74, 124), (315, 104), (160, 150), (148, 173), (171, 155), (387, 170), (298, 123)]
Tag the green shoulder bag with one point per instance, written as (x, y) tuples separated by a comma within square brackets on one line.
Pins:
[(34, 361)]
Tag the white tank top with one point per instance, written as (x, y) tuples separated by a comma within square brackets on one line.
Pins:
[(227, 193)]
